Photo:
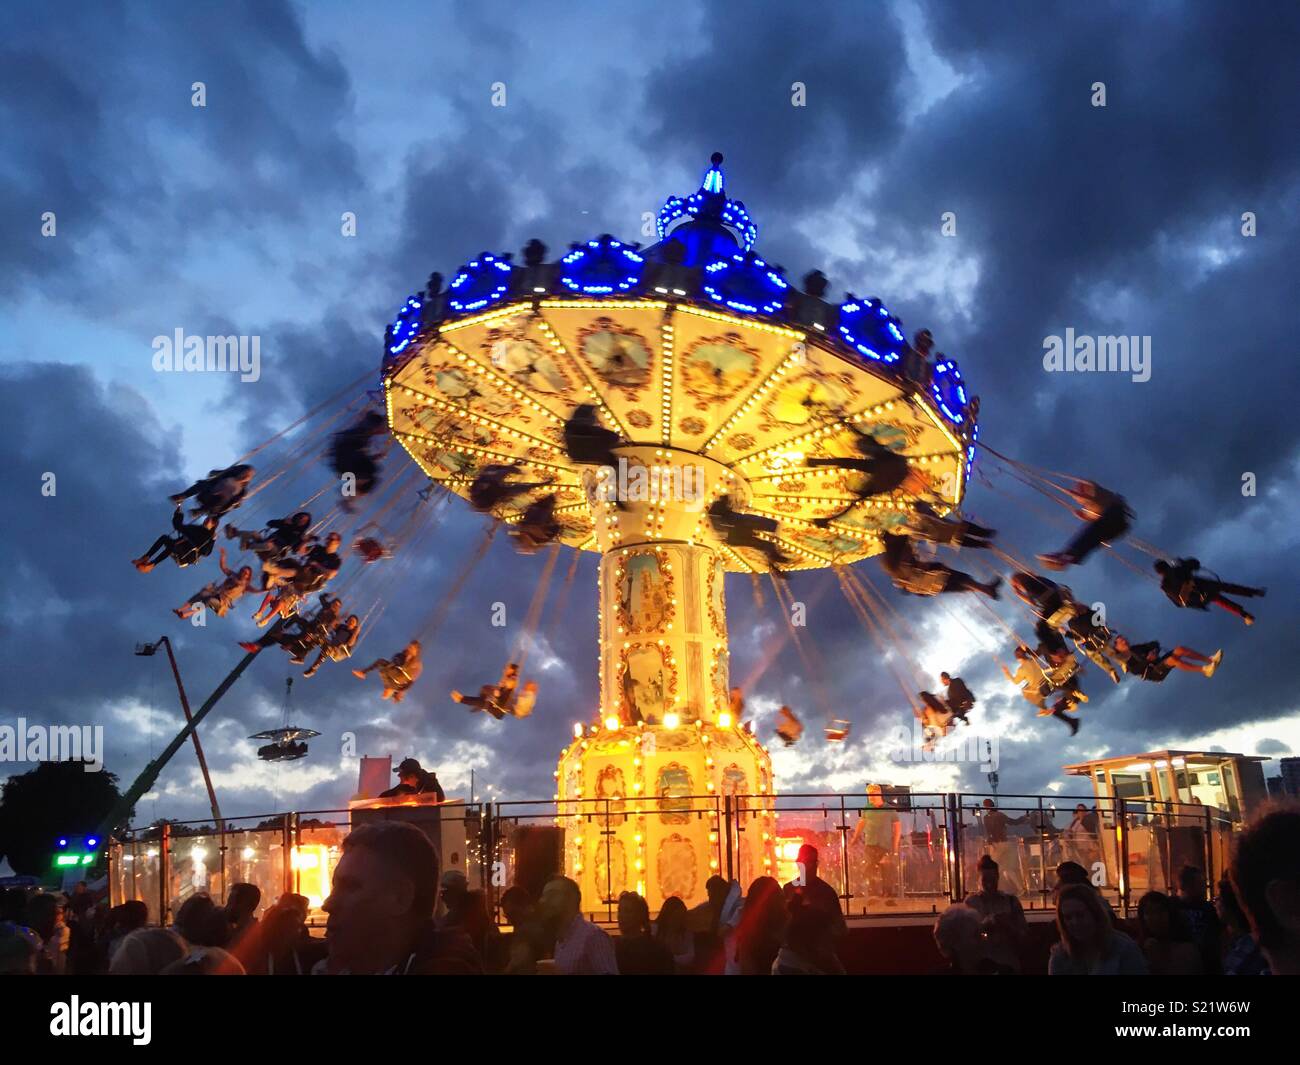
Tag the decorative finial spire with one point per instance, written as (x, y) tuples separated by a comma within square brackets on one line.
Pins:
[(713, 177), (710, 204)]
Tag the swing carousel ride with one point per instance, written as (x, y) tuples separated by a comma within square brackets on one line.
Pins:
[(720, 381), (683, 411)]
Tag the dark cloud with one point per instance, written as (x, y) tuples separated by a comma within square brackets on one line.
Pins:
[(113, 146)]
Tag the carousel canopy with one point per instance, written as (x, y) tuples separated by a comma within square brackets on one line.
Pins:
[(696, 346)]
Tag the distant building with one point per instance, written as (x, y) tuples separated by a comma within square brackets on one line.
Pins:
[(1276, 789), (1290, 776)]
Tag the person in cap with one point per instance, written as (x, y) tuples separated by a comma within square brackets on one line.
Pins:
[(413, 779), (453, 893)]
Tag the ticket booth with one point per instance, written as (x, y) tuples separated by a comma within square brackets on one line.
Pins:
[(1160, 810)]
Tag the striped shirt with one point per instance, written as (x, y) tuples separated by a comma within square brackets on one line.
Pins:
[(584, 949)]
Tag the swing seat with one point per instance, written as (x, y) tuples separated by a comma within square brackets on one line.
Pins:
[(1064, 615), (924, 581), (1062, 674), (838, 730)]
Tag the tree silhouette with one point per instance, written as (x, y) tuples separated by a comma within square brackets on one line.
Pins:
[(54, 799)]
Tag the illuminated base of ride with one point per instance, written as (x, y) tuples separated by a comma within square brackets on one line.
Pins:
[(643, 810)]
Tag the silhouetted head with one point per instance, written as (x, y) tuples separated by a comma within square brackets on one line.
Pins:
[(386, 879), (1071, 873), (988, 870), (673, 917), (716, 888), (517, 904), (633, 915), (242, 901), (561, 902), (1161, 566), (1191, 883)]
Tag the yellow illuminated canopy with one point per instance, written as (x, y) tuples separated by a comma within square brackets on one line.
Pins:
[(760, 399)]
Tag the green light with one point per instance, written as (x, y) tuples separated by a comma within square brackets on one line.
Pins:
[(68, 859), (87, 859)]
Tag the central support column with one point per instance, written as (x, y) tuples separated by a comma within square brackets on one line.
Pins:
[(663, 622), (644, 792), (663, 634)]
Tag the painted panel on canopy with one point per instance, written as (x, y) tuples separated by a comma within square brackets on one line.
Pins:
[(615, 348), (812, 392), (512, 351), (718, 361)]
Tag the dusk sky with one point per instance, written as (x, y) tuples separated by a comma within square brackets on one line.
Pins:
[(1123, 219)]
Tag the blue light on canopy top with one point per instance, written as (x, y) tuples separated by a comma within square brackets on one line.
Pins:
[(746, 284), (479, 283), (869, 328), (970, 449), (948, 391), (711, 200), (601, 267), (406, 326)]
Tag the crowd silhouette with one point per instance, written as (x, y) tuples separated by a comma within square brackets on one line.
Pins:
[(390, 912)]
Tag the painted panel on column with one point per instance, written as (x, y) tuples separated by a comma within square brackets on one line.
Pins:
[(613, 866), (678, 868), (672, 783), (718, 676), (694, 673), (717, 601), (645, 592), (648, 683)]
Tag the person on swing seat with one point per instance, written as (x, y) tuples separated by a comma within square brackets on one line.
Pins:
[(398, 673), (1108, 518)]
